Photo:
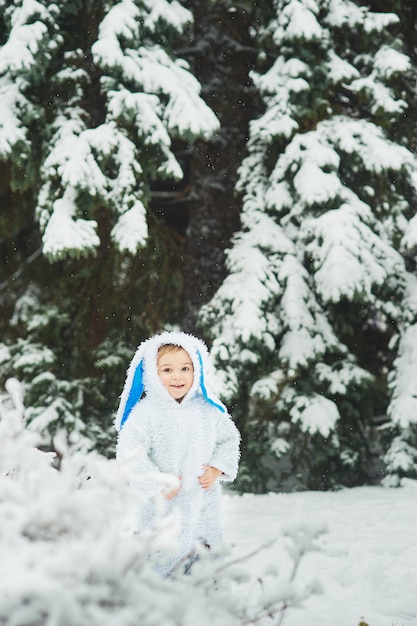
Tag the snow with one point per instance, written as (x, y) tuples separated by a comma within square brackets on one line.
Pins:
[(172, 13), (19, 52), (379, 21), (400, 458), (409, 241), (346, 13), (74, 158), (389, 61), (143, 109), (357, 137), (282, 79), (403, 406), (368, 142), (64, 233), (349, 257), (367, 559), (4, 353), (122, 21), (308, 332), (316, 414), (69, 556), (339, 377), (314, 185), (252, 265), (11, 131), (131, 230), (266, 387), (33, 357), (297, 20), (339, 69), (154, 71), (382, 97)]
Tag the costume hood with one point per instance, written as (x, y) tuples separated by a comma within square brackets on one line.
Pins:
[(142, 375)]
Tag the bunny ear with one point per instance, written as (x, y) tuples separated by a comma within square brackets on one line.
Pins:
[(215, 402), (131, 394)]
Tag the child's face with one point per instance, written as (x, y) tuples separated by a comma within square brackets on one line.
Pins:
[(175, 369)]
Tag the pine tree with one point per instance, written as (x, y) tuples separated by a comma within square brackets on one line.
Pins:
[(313, 325), (94, 107)]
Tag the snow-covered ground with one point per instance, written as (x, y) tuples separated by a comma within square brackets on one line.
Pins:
[(67, 558), (367, 562)]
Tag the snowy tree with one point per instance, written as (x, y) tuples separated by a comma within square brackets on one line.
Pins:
[(103, 124), (102, 157), (313, 326), (94, 104)]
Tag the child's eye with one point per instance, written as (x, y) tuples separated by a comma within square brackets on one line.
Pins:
[(166, 370), (186, 368)]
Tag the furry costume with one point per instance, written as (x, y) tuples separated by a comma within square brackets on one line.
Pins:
[(175, 440)]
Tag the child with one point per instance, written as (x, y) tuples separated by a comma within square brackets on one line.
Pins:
[(185, 439)]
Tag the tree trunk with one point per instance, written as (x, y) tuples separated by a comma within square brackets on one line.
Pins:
[(221, 55)]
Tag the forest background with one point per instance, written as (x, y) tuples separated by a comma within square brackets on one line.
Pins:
[(242, 170)]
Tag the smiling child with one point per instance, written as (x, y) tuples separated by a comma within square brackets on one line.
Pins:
[(182, 436)]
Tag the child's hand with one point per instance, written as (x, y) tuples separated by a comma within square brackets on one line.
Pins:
[(169, 495), (209, 477)]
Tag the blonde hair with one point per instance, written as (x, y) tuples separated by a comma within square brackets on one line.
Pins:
[(166, 348)]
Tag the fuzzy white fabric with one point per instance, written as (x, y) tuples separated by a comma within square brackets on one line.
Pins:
[(171, 440)]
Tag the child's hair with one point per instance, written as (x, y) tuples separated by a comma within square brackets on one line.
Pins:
[(166, 348)]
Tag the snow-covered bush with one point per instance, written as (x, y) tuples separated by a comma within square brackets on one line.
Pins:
[(68, 555)]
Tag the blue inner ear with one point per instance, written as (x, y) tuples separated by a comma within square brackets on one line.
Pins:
[(203, 386), (135, 393)]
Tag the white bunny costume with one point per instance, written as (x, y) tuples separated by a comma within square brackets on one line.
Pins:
[(175, 440)]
